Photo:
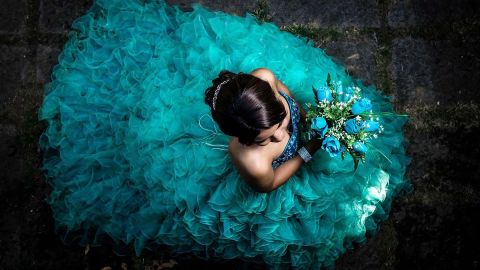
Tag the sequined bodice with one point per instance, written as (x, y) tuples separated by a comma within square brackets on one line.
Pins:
[(292, 144)]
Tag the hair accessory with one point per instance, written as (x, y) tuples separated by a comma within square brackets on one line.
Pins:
[(216, 92), (304, 154)]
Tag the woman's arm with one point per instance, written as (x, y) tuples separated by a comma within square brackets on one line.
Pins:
[(263, 178), (287, 169)]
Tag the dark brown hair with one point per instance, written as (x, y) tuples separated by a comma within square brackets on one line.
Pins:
[(245, 105)]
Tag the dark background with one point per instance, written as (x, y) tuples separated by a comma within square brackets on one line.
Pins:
[(424, 53)]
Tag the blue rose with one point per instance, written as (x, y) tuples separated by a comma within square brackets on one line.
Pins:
[(370, 125), (353, 126), (361, 106), (319, 125), (346, 95), (323, 93), (360, 147), (332, 146)]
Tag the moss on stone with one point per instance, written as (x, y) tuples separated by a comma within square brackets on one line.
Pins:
[(314, 32), (446, 117), (262, 12)]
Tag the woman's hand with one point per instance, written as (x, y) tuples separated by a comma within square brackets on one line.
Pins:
[(313, 145)]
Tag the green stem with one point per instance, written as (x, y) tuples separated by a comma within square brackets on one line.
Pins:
[(385, 114), (376, 149)]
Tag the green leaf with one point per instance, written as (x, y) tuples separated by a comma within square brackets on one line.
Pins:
[(355, 160), (315, 93)]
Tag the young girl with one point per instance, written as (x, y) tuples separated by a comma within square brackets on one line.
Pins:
[(262, 116)]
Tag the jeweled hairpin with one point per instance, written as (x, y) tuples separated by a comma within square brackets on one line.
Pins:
[(216, 92)]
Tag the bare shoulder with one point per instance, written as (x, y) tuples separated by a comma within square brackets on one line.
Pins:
[(253, 168), (266, 75)]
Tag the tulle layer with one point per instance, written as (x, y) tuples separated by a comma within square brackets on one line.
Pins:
[(131, 153)]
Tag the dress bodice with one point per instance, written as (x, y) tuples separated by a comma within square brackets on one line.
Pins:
[(292, 144)]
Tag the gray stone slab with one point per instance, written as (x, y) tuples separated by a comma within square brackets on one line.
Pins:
[(434, 72), (56, 16), (47, 57), (237, 7), (405, 13), (329, 13), (357, 57), (16, 72), (10, 151), (325, 13), (12, 164), (411, 72), (13, 18)]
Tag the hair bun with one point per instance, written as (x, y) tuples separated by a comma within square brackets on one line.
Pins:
[(224, 75)]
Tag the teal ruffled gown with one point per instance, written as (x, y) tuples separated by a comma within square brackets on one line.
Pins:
[(132, 153)]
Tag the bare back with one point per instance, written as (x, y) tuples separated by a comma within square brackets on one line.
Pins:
[(248, 159)]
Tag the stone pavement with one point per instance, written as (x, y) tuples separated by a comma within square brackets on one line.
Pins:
[(423, 53)]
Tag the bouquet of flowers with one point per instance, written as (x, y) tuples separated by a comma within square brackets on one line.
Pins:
[(343, 119)]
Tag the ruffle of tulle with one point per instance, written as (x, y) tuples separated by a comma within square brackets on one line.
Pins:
[(129, 153)]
